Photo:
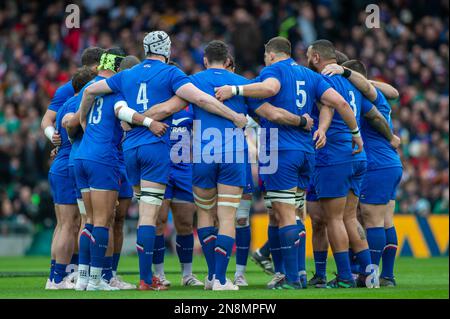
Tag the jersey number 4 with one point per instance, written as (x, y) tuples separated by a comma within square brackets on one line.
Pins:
[(142, 96), (97, 108)]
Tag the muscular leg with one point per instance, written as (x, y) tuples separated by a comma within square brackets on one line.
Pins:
[(228, 201), (319, 237), (107, 273), (183, 216), (243, 234), (65, 241), (160, 244), (301, 214), (356, 234), (84, 260), (205, 200), (391, 242), (54, 239), (103, 204), (337, 234), (373, 218), (151, 199), (288, 231)]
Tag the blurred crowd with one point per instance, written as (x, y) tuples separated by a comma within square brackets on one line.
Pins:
[(38, 53)]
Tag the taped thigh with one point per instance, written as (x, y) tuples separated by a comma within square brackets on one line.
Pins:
[(205, 203), (152, 196), (229, 200), (243, 212), (285, 196)]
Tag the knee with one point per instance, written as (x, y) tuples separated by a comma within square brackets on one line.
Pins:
[(318, 225), (184, 227)]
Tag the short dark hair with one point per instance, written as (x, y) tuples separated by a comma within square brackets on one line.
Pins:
[(279, 45), (325, 49), (357, 66), (341, 57), (82, 77), (231, 64), (128, 62), (216, 51), (91, 56)]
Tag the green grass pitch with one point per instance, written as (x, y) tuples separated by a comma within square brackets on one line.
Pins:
[(25, 277)]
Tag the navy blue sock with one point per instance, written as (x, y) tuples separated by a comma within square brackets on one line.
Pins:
[(74, 259), (52, 269), (265, 249), (208, 237), (222, 253), (243, 237), (376, 238), (301, 246), (275, 249), (159, 250), (343, 265), (84, 254), (354, 266), (185, 248), (389, 253), (98, 246), (107, 268), (289, 242), (115, 262), (320, 261), (144, 244), (60, 273), (363, 259)]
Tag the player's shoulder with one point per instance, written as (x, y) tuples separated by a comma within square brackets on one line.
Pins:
[(65, 89)]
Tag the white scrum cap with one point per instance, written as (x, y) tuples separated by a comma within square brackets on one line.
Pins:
[(157, 42)]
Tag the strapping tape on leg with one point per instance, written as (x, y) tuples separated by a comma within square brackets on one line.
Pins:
[(243, 212), (205, 203), (81, 206), (300, 200), (152, 196), (229, 200), (286, 197), (267, 202), (137, 196)]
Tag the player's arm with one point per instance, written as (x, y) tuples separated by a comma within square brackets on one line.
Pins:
[(379, 123), (165, 109), (333, 99), (191, 93), (325, 118), (71, 123), (390, 92), (89, 94), (283, 117), (260, 90), (127, 114), (357, 79)]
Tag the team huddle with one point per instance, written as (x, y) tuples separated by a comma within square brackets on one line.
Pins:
[(126, 128)]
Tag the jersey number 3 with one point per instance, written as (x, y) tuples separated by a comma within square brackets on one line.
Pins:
[(97, 108)]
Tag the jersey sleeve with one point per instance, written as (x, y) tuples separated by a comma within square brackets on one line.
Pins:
[(115, 82), (62, 94), (366, 105), (270, 72), (321, 86), (379, 98), (178, 79)]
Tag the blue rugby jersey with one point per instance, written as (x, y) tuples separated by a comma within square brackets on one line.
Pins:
[(62, 94)]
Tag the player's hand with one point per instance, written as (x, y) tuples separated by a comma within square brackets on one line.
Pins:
[(53, 153), (223, 93), (309, 122), (320, 137), (56, 139), (240, 120), (125, 126), (395, 142), (158, 128), (357, 140), (332, 69)]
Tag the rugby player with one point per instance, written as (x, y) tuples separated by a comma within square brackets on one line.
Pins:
[(147, 155), (286, 84), (89, 58), (338, 196), (63, 192), (383, 175)]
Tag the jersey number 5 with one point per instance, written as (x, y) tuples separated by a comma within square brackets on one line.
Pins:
[(301, 101), (96, 108), (142, 96)]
